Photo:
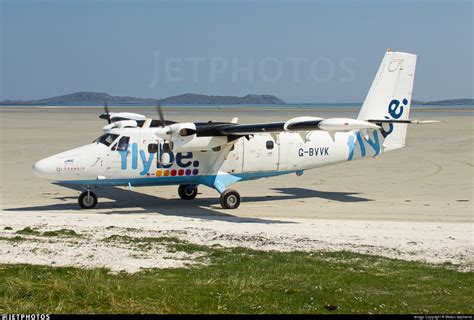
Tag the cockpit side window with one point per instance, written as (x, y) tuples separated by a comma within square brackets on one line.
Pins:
[(122, 145), (107, 139)]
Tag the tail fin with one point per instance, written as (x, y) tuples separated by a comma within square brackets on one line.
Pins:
[(389, 96)]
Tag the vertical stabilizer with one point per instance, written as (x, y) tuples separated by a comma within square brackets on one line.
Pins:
[(390, 95)]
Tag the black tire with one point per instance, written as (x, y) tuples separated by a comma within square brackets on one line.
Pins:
[(230, 199), (187, 191), (87, 200)]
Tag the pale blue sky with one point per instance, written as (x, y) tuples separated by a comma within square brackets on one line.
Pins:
[(301, 51)]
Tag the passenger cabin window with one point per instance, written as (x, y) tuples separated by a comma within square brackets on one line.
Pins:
[(152, 148), (107, 139), (269, 144), (122, 145)]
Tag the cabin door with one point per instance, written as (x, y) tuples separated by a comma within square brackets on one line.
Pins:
[(252, 154), (260, 154)]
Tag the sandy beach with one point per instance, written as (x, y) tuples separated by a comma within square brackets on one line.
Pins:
[(411, 204)]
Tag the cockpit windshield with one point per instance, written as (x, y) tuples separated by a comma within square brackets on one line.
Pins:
[(106, 138)]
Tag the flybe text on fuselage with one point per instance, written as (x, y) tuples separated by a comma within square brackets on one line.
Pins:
[(182, 159)]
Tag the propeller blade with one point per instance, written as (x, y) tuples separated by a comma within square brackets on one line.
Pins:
[(160, 113), (107, 114)]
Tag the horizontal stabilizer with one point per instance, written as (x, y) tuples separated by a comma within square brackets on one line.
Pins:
[(409, 121)]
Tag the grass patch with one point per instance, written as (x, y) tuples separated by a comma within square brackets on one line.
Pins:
[(54, 233), (244, 281), (8, 228), (61, 233), (29, 231), (13, 239), (146, 243)]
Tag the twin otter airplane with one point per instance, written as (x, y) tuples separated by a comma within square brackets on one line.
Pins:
[(137, 151)]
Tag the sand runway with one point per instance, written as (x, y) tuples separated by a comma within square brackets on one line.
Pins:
[(412, 204)]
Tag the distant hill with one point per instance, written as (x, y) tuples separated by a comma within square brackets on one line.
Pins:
[(191, 98), (451, 102), (98, 98)]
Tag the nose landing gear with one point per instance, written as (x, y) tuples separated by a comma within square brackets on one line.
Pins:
[(87, 200)]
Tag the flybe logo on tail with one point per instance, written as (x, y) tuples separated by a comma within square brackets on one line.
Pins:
[(395, 109)]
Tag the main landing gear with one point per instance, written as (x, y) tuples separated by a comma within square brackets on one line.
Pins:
[(87, 200), (187, 191), (230, 199)]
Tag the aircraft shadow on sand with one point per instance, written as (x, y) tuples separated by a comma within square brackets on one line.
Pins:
[(198, 208)]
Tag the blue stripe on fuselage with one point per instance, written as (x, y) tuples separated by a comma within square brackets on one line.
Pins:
[(163, 181)]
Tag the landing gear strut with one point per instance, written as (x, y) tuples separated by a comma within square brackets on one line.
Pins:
[(230, 199), (87, 200), (187, 191)]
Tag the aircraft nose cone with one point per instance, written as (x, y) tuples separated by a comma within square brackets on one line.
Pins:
[(44, 168)]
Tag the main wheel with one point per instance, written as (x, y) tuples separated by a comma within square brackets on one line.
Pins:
[(187, 191), (230, 199), (87, 200)]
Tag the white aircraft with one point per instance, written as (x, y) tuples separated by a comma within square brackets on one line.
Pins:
[(137, 151)]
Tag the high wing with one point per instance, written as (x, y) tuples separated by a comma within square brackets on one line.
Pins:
[(292, 125), (209, 129)]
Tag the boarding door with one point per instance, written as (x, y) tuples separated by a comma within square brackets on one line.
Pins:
[(270, 148), (260, 154)]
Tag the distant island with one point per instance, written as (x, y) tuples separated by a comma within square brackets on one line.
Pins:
[(98, 98), (451, 102)]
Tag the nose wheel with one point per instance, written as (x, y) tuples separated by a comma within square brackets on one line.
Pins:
[(87, 200), (187, 191), (230, 199)]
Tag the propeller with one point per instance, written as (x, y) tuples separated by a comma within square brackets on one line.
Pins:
[(159, 110), (106, 115), (166, 143), (106, 108)]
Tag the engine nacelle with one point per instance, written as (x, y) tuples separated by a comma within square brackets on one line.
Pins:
[(176, 130), (181, 137), (120, 124), (301, 124), (126, 115)]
